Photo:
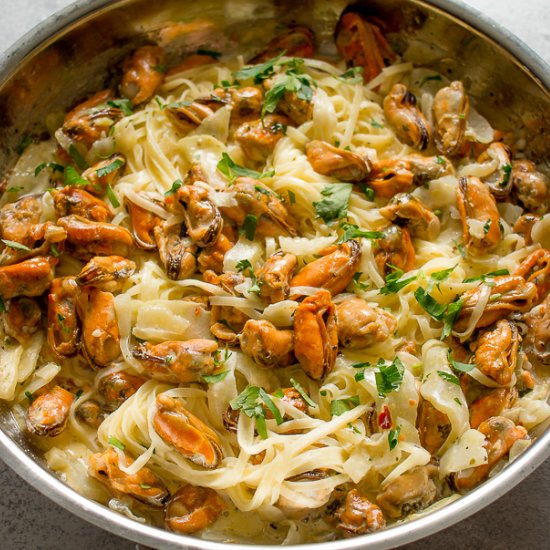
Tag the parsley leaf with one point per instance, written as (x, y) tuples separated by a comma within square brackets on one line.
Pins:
[(232, 170), (52, 165), (368, 191), (451, 315), (72, 177), (376, 124), (486, 278), (77, 157), (175, 186), (2, 305), (335, 205), (26, 140), (448, 377), (507, 169), (15, 245), (389, 377), (298, 387), (125, 105), (458, 366), (340, 406), (354, 75), (487, 226), (213, 378), (260, 72), (248, 402), (430, 304), (115, 165), (112, 197), (245, 267), (291, 197), (394, 283), (359, 284), (438, 277), (440, 160), (353, 232), (249, 226), (393, 437), (116, 443), (291, 82)]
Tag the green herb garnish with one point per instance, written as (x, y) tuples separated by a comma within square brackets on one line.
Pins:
[(77, 157), (15, 245), (116, 443), (72, 177), (458, 366), (175, 186), (389, 377), (112, 197), (448, 377), (53, 166), (340, 406), (125, 105), (353, 232), (394, 283), (232, 170), (393, 437), (335, 205), (115, 165), (298, 387), (249, 226)]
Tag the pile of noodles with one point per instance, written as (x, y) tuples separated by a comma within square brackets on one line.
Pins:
[(254, 473)]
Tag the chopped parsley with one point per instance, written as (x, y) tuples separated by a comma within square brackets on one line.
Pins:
[(54, 250), (15, 245), (175, 186), (339, 406), (438, 277), (2, 305), (507, 169), (72, 177), (457, 401), (457, 365), (249, 401), (440, 160), (116, 443), (232, 170), (293, 81), (249, 226), (448, 377), (291, 197), (394, 283), (125, 105), (145, 486), (487, 277), (77, 157), (368, 191), (376, 124), (14, 189), (487, 226), (298, 387), (53, 166), (112, 197), (393, 437), (359, 284), (29, 396), (245, 267), (79, 393), (213, 378), (389, 377), (353, 232), (354, 75), (335, 204), (160, 68), (446, 313), (26, 140), (259, 73), (105, 170)]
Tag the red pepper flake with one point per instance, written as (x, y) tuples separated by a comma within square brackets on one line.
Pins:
[(384, 418)]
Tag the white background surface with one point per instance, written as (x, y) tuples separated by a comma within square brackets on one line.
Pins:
[(519, 520)]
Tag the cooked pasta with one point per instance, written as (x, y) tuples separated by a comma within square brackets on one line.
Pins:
[(283, 294)]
